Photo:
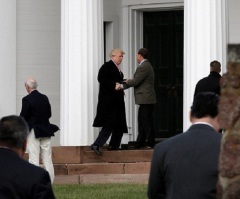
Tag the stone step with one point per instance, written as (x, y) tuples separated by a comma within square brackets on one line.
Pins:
[(102, 168), (83, 154), (80, 165), (101, 178)]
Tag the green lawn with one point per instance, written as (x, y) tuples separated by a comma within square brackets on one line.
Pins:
[(101, 191)]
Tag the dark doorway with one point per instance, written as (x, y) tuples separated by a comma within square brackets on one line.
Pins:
[(163, 37)]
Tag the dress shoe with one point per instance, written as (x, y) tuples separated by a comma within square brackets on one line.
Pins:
[(137, 147), (112, 148), (147, 147), (95, 148), (142, 147)]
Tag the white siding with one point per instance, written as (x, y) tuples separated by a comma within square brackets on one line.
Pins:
[(8, 57), (112, 13), (38, 51), (234, 22)]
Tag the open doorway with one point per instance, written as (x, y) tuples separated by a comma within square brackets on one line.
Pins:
[(163, 37)]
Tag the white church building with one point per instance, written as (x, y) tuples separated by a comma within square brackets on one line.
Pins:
[(63, 43)]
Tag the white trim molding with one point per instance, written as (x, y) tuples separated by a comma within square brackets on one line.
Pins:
[(133, 40)]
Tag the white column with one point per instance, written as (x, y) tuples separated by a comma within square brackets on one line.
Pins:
[(204, 41), (81, 57), (8, 57)]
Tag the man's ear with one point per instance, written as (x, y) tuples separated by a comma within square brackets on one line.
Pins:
[(24, 147), (190, 116)]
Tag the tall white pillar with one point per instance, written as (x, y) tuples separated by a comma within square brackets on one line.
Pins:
[(81, 57), (8, 57), (204, 41)]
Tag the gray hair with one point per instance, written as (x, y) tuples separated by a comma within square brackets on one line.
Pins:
[(116, 51), (32, 83), (13, 131)]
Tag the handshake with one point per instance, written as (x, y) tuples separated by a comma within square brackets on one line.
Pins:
[(119, 86)]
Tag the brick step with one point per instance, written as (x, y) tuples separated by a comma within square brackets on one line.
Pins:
[(83, 154), (101, 178), (79, 165), (102, 168)]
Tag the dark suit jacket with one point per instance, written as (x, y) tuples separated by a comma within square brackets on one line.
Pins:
[(211, 83), (143, 83), (36, 110), (186, 166), (22, 180), (111, 105)]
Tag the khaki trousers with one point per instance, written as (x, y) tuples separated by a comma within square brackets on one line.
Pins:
[(37, 146)]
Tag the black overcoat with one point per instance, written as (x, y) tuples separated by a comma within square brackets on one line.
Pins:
[(111, 105)]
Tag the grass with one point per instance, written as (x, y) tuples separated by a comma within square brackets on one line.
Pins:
[(101, 191)]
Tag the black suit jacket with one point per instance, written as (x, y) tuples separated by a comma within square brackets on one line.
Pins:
[(186, 166), (211, 83), (36, 110), (22, 180)]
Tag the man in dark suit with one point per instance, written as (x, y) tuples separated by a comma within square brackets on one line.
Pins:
[(186, 165), (36, 110), (143, 83), (111, 106), (19, 179), (211, 83)]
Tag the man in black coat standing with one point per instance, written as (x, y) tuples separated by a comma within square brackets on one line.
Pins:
[(111, 106), (36, 110), (186, 166), (211, 83), (19, 179)]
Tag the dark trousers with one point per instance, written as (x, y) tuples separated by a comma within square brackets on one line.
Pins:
[(105, 133), (145, 126)]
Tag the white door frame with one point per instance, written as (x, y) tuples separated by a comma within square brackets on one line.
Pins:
[(132, 33)]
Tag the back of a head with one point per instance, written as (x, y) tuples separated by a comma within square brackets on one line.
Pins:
[(205, 104), (215, 66), (144, 53), (13, 131), (32, 83)]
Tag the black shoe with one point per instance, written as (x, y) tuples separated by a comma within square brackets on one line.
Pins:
[(134, 147), (146, 147), (137, 147), (95, 148), (112, 148)]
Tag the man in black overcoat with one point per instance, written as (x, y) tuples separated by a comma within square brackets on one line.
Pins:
[(111, 106)]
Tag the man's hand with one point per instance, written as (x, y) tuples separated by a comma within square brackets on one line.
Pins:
[(118, 86)]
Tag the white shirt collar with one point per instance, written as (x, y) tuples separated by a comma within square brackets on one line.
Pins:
[(142, 61), (203, 123)]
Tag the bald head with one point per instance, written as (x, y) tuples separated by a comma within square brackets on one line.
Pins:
[(31, 84)]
